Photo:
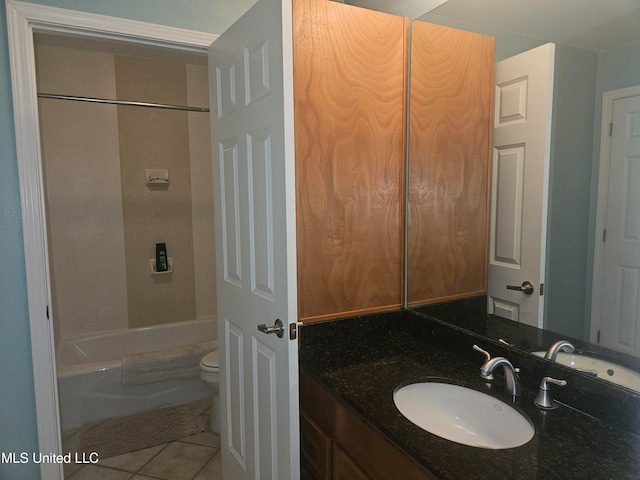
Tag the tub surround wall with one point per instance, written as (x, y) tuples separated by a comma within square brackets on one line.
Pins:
[(154, 138), (103, 220), (84, 197), (204, 250)]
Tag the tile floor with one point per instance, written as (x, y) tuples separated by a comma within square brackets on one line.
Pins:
[(196, 457)]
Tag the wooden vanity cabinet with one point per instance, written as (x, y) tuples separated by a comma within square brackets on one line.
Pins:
[(338, 443), (349, 105), (315, 450), (344, 468), (320, 458)]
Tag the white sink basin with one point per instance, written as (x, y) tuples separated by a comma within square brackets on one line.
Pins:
[(601, 368), (463, 415)]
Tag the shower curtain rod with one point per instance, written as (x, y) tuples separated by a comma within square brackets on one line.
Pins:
[(122, 102)]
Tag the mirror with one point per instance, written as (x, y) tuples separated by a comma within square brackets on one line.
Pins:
[(596, 52), (600, 47)]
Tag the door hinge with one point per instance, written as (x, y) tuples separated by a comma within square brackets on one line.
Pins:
[(541, 289), (48, 313), (604, 235), (611, 129), (598, 337)]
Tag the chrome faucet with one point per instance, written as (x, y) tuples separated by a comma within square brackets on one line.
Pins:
[(543, 399), (510, 376), (563, 345)]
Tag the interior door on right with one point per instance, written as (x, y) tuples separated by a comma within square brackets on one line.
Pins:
[(520, 177), (620, 304)]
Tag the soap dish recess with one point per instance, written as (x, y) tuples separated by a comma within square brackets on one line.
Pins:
[(152, 266)]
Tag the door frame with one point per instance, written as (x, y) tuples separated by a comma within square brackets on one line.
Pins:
[(603, 192), (23, 19)]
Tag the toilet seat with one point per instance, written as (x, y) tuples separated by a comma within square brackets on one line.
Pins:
[(210, 375), (209, 362)]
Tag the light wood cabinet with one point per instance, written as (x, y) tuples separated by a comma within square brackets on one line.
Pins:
[(451, 103), (350, 101), (349, 80)]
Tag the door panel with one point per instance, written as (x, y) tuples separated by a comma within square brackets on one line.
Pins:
[(620, 317), (254, 181), (520, 170)]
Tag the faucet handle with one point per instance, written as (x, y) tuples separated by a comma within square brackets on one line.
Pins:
[(486, 354), (544, 399), (487, 357)]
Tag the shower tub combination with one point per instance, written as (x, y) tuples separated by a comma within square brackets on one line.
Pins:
[(90, 376)]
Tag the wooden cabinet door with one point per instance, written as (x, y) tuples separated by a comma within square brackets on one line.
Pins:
[(349, 81), (344, 468), (451, 102), (315, 450)]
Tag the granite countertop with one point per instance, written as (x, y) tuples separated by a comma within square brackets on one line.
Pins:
[(363, 366)]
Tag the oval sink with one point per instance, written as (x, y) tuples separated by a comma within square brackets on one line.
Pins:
[(600, 368), (463, 415)]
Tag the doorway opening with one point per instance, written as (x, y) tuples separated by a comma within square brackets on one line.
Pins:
[(119, 180), (24, 21)]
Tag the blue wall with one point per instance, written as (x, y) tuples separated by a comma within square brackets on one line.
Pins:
[(567, 285), (18, 430)]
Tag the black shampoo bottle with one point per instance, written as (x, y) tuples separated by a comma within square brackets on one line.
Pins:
[(162, 264)]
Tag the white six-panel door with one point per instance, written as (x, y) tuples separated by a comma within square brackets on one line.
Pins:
[(520, 166), (251, 74), (619, 312)]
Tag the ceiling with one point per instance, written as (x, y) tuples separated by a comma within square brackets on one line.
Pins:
[(595, 25)]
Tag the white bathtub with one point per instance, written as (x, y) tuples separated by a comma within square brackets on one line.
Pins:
[(89, 372)]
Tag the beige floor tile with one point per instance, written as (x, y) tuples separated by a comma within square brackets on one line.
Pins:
[(212, 470), (207, 439), (178, 461), (70, 469), (68, 433), (70, 441), (93, 472), (133, 461)]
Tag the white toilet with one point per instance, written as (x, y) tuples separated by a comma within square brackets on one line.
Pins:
[(210, 373)]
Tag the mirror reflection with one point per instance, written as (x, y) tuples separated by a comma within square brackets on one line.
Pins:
[(597, 52), (595, 67)]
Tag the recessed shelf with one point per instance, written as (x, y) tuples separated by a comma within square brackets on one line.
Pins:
[(152, 267)]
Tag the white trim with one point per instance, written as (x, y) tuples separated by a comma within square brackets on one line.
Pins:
[(22, 19), (603, 192), (546, 179)]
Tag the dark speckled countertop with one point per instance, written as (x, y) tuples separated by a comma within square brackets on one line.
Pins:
[(363, 360)]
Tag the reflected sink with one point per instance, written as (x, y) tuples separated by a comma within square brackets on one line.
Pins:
[(603, 369), (463, 415)]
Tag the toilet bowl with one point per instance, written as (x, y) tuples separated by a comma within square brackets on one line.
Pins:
[(210, 374)]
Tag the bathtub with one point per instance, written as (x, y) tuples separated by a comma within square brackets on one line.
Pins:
[(89, 372)]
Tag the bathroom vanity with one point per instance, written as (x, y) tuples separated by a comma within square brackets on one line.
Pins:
[(351, 428)]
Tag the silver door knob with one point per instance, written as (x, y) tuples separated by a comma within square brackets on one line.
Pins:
[(526, 288), (277, 328)]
